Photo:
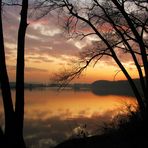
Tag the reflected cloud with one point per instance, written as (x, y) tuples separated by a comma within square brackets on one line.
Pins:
[(70, 104), (52, 117), (48, 133)]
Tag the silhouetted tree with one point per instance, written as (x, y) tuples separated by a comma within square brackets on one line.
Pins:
[(5, 87), (13, 133), (121, 26), (19, 105)]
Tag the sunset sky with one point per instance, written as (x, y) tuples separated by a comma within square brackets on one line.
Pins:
[(48, 50)]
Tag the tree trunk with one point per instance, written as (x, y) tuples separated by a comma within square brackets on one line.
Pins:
[(143, 51), (19, 105), (140, 101), (6, 93)]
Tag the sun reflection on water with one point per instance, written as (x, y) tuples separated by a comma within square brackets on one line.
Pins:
[(52, 117), (70, 104)]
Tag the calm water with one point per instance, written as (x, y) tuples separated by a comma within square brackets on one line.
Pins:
[(51, 116)]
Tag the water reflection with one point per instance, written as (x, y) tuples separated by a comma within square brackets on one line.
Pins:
[(70, 104), (54, 130), (51, 116)]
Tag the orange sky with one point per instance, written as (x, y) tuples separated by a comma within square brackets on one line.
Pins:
[(48, 51)]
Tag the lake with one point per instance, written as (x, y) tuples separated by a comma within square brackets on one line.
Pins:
[(52, 116)]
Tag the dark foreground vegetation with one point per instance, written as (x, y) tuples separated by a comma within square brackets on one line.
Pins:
[(123, 132)]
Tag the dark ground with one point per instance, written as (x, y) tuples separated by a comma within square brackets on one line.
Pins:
[(133, 134), (106, 141)]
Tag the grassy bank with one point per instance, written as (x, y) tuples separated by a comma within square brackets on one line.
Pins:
[(124, 132)]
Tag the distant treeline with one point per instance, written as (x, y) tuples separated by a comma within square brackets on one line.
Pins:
[(121, 87), (28, 85), (100, 87), (75, 86)]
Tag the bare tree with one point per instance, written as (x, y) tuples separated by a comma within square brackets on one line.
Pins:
[(19, 104), (120, 25), (14, 118)]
